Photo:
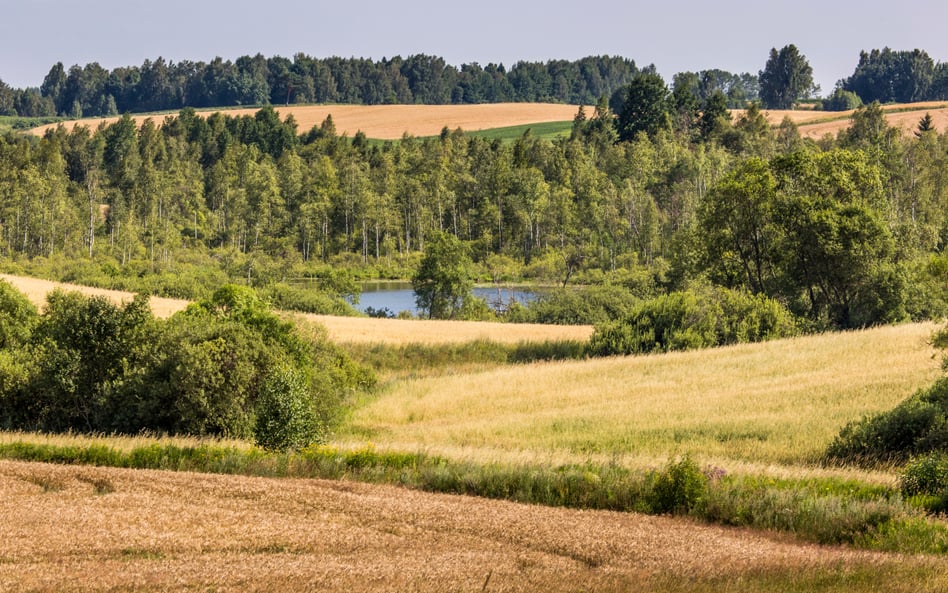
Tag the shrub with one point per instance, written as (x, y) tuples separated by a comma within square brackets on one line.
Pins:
[(915, 426), (226, 366), (710, 316), (286, 419), (576, 306), (292, 298), (927, 477), (681, 488), (18, 317), (842, 100)]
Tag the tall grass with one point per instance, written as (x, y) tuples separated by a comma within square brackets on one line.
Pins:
[(426, 360), (777, 403)]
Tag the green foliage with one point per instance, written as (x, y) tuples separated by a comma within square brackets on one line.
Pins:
[(891, 76), (286, 418), (917, 425), (786, 78), (18, 317), (292, 298), (444, 279), (576, 306), (227, 366), (85, 347), (681, 488), (693, 319), (842, 100), (927, 477), (644, 107)]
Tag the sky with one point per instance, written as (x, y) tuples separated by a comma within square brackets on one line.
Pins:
[(674, 35)]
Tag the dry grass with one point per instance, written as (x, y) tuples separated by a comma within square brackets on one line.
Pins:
[(345, 329), (100, 529), (389, 122), (778, 403), (426, 331), (36, 291)]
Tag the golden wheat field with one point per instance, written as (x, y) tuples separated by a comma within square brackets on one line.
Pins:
[(389, 122), (344, 329), (68, 529)]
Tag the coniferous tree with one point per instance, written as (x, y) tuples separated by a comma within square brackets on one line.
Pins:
[(786, 78)]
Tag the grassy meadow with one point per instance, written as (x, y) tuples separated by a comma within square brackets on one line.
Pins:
[(466, 409), (776, 404)]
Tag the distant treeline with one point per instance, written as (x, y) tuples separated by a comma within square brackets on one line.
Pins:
[(161, 85)]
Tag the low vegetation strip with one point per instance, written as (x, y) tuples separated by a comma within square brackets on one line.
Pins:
[(104, 529)]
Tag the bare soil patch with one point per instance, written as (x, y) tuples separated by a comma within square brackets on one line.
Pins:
[(65, 528), (388, 122)]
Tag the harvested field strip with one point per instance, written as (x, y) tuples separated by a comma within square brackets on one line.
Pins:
[(824, 509), (160, 531), (389, 122), (347, 329)]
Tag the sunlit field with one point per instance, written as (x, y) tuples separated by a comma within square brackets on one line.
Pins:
[(389, 122), (762, 404)]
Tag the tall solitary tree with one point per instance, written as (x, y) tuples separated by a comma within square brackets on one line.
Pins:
[(645, 108), (786, 78), (444, 279)]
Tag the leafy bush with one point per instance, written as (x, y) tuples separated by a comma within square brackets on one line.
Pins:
[(226, 366), (842, 100), (710, 316), (18, 316), (928, 475), (681, 488), (292, 298), (917, 425), (286, 418), (576, 306)]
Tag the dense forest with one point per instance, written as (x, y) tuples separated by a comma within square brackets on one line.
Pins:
[(846, 232), (159, 85), (83, 91)]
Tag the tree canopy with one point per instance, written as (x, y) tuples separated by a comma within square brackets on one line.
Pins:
[(786, 78)]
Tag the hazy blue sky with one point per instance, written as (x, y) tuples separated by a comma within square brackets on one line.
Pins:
[(675, 35)]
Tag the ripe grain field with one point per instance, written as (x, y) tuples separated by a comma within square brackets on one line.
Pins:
[(89, 529), (391, 122), (816, 124), (387, 122)]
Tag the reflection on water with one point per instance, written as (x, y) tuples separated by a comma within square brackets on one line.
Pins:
[(398, 296)]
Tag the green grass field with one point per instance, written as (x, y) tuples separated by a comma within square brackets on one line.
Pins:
[(547, 131)]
